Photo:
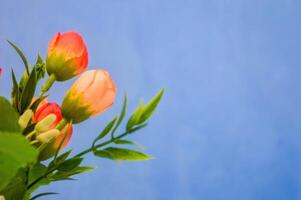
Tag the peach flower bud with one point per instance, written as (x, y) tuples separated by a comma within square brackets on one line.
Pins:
[(91, 94), (67, 56), (45, 124)]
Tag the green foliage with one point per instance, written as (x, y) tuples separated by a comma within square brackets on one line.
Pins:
[(65, 175), (36, 171), (43, 194), (29, 91), (122, 114), (23, 92), (8, 118), (70, 164), (128, 142), (15, 153), (16, 188), (134, 119), (20, 53), (144, 112), (58, 160), (40, 67), (105, 131), (115, 153)]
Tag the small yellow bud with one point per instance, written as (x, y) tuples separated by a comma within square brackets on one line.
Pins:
[(25, 118), (48, 135), (45, 124)]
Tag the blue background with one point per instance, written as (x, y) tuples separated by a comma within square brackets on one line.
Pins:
[(229, 124)]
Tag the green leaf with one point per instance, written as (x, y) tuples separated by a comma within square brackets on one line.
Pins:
[(40, 67), (15, 153), (122, 114), (151, 106), (16, 188), (59, 159), (70, 164), (43, 194), (23, 82), (29, 91), (122, 154), (63, 175), (8, 117), (15, 91), (21, 55), (36, 171), (105, 131), (121, 141), (134, 119)]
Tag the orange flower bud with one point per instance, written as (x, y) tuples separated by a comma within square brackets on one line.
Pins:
[(91, 94), (67, 56)]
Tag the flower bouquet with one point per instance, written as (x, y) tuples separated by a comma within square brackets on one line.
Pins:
[(34, 131)]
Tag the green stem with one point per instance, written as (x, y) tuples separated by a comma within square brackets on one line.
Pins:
[(34, 141), (47, 85), (30, 134), (102, 144)]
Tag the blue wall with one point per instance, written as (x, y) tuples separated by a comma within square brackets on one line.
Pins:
[(229, 124)]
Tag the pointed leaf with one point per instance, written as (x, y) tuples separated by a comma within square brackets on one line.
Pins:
[(105, 131), (151, 106), (122, 114), (43, 194), (59, 159), (122, 154), (21, 55), (134, 119), (29, 91), (62, 175), (70, 164), (120, 141), (15, 90)]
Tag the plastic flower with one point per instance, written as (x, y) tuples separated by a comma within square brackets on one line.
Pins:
[(91, 94), (43, 112), (67, 56)]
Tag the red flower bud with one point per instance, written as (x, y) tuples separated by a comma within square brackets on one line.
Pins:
[(43, 111)]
